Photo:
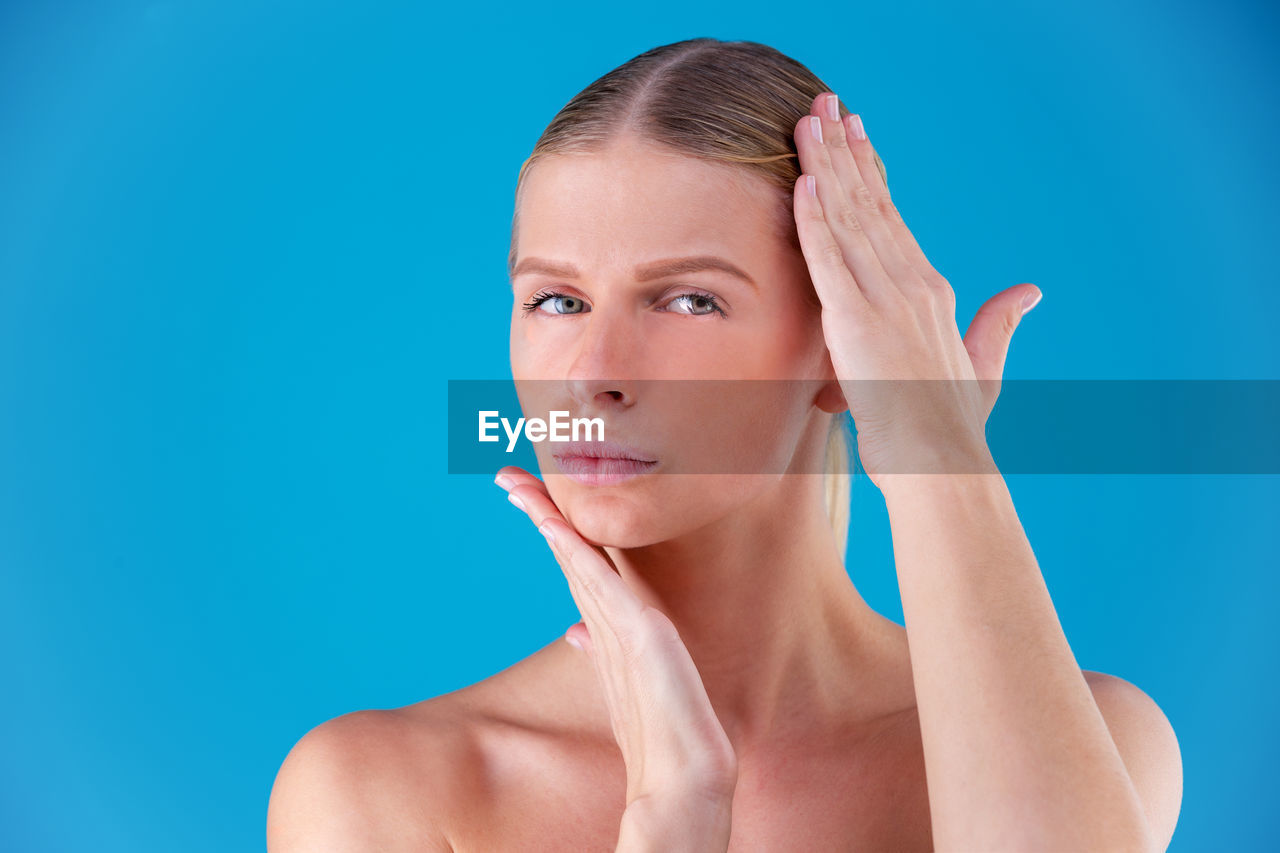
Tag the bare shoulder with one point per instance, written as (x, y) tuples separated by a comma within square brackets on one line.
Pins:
[(375, 779), (1147, 743), (419, 777)]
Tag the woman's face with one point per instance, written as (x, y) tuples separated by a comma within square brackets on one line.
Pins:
[(599, 329)]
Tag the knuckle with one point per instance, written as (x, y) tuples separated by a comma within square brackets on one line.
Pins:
[(1002, 320), (832, 254), (835, 135), (888, 209), (847, 217), (864, 198), (942, 309), (937, 279), (879, 164), (824, 154), (1008, 324), (590, 586), (941, 289)]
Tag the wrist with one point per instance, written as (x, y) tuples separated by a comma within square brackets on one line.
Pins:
[(676, 823), (915, 455), (970, 494)]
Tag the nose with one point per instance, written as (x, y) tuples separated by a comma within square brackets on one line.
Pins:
[(600, 374), (601, 395)]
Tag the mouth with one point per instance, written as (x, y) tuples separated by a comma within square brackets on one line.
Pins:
[(602, 463)]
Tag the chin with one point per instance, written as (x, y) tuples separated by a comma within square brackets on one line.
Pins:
[(643, 511), (609, 517)]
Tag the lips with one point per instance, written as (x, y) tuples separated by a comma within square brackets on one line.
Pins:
[(601, 450), (601, 463)]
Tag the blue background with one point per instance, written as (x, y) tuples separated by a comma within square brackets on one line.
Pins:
[(243, 245)]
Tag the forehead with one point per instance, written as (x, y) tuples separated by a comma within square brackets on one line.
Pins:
[(632, 202)]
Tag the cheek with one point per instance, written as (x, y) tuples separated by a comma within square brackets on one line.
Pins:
[(779, 338), (530, 353), (727, 427)]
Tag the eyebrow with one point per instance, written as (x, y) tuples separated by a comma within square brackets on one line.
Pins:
[(643, 272)]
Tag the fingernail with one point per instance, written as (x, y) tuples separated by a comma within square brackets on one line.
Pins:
[(815, 127), (504, 481), (515, 500), (1029, 301), (546, 531), (573, 642), (833, 107), (811, 185), (855, 127)]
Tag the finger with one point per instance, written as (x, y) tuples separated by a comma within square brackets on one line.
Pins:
[(872, 174), (851, 207), (531, 497), (839, 137), (616, 603), (857, 251), (990, 333), (595, 574), (510, 476), (534, 499), (538, 506), (609, 622), (604, 626), (579, 636), (836, 286)]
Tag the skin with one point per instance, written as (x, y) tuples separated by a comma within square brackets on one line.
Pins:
[(732, 689)]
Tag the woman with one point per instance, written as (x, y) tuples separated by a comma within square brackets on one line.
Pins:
[(710, 210)]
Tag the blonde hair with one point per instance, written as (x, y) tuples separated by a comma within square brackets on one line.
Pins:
[(734, 102)]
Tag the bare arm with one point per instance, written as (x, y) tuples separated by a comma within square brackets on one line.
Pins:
[(1021, 751), (1018, 753)]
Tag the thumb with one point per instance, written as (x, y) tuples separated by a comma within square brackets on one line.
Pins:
[(992, 328), (987, 340), (579, 637)]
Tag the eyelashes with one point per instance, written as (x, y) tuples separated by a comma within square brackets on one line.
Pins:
[(546, 296), (698, 298)]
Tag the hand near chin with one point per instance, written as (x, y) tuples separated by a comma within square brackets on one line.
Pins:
[(681, 768), (918, 393)]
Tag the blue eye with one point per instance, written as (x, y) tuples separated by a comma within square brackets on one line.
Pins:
[(696, 304), (562, 304)]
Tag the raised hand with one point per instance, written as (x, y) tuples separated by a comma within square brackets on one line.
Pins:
[(888, 315), (681, 768)]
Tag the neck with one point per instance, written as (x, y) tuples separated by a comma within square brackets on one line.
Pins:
[(782, 639)]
